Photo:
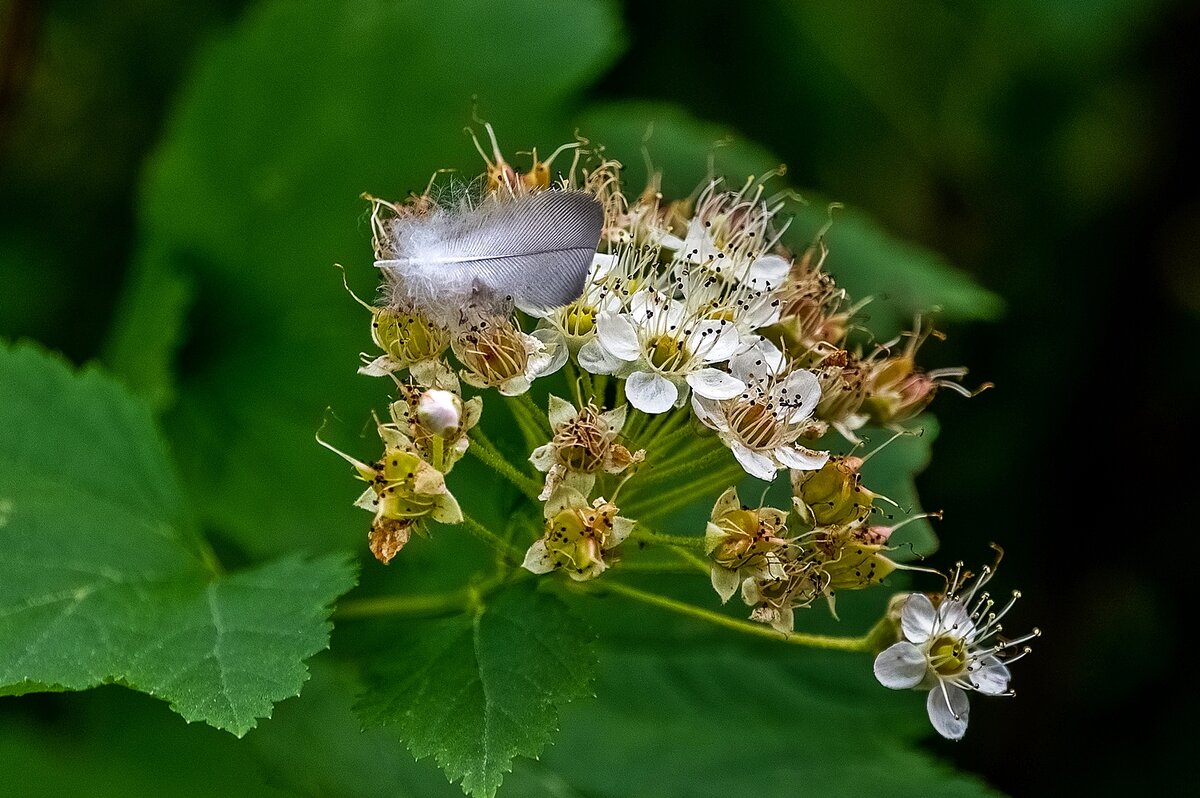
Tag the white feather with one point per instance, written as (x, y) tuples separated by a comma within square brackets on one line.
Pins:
[(533, 251)]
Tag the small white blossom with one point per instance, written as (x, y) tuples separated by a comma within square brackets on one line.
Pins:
[(948, 649), (662, 347), (761, 424)]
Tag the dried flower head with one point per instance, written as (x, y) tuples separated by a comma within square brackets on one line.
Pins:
[(584, 445), (496, 354)]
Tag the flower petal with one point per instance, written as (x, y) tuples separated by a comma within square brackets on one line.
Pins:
[(621, 528), (650, 392), (709, 413), (446, 509), (617, 335), (902, 666), (555, 345), (758, 359), (800, 458), (542, 457), (580, 481), (560, 411), (918, 618), (767, 272), (725, 582), (727, 502), (755, 463), (510, 387), (948, 710), (602, 264), (615, 419), (595, 359), (380, 367), (991, 677), (715, 384), (801, 386), (714, 341), (369, 500), (538, 559), (564, 498), (953, 618)]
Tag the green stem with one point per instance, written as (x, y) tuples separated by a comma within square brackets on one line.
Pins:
[(534, 413), (419, 604), (489, 537), (696, 563), (667, 442), (865, 644), (641, 534), (437, 452), (652, 476), (659, 567), (657, 505), (600, 389), (487, 453)]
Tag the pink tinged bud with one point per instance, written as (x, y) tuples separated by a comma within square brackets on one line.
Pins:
[(879, 534), (440, 412)]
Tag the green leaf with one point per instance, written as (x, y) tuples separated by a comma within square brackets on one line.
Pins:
[(114, 743), (142, 346), (904, 278), (253, 207), (716, 722), (102, 578), (476, 691)]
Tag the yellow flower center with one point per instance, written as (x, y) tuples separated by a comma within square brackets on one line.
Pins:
[(667, 353), (578, 320), (407, 337), (948, 655)]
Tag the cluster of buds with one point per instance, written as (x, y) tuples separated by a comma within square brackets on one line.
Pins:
[(834, 546), (699, 351)]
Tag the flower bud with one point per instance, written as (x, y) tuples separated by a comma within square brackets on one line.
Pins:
[(577, 536), (440, 412), (832, 495)]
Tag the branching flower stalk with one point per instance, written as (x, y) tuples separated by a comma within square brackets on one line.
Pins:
[(696, 351)]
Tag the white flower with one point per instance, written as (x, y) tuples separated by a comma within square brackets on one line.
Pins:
[(663, 348), (948, 649), (571, 330), (761, 424)]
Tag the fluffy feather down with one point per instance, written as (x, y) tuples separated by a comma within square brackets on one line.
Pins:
[(533, 250)]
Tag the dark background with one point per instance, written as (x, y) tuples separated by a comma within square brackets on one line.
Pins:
[(1046, 148)]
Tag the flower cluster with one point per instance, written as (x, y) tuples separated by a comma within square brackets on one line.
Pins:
[(696, 352)]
